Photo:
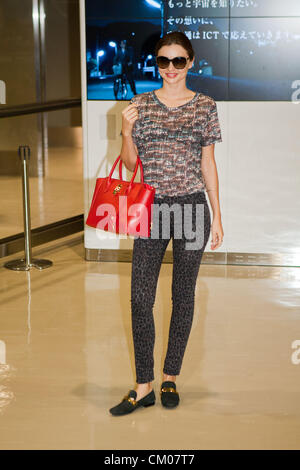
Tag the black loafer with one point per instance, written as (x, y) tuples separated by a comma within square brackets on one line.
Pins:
[(129, 403), (168, 394)]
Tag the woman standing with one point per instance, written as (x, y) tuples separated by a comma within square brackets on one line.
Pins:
[(173, 130)]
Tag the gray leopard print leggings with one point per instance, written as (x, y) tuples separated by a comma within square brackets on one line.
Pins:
[(147, 258)]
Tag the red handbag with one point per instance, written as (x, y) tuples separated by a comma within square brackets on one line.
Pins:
[(121, 206)]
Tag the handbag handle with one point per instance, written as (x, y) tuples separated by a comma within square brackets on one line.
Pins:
[(137, 164), (141, 166)]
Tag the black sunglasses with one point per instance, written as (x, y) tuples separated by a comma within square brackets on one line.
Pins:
[(178, 62)]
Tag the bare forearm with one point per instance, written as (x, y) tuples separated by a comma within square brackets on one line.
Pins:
[(128, 153), (210, 175)]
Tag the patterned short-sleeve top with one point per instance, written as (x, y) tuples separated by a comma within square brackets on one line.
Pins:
[(169, 141)]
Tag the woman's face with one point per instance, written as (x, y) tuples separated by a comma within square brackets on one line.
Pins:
[(171, 74)]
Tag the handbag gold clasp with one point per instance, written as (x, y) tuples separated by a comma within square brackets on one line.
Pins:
[(117, 188)]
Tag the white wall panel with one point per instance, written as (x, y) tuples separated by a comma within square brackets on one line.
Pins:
[(263, 204)]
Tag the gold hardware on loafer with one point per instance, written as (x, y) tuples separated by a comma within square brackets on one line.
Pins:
[(130, 399), (168, 389)]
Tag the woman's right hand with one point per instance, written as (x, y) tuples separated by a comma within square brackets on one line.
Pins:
[(129, 116)]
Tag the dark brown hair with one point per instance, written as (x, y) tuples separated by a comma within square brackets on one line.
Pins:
[(175, 37)]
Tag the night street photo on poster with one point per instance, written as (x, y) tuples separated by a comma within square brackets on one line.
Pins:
[(245, 50)]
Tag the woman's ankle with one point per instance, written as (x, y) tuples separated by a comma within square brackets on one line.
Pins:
[(171, 378), (142, 390), (145, 386)]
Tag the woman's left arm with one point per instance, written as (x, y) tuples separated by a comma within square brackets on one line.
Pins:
[(210, 175)]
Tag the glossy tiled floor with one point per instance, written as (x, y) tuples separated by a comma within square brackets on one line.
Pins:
[(66, 357)]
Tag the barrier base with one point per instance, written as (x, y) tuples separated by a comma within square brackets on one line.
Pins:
[(21, 265)]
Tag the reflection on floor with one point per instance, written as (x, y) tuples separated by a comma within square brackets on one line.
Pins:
[(66, 357), (56, 196)]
